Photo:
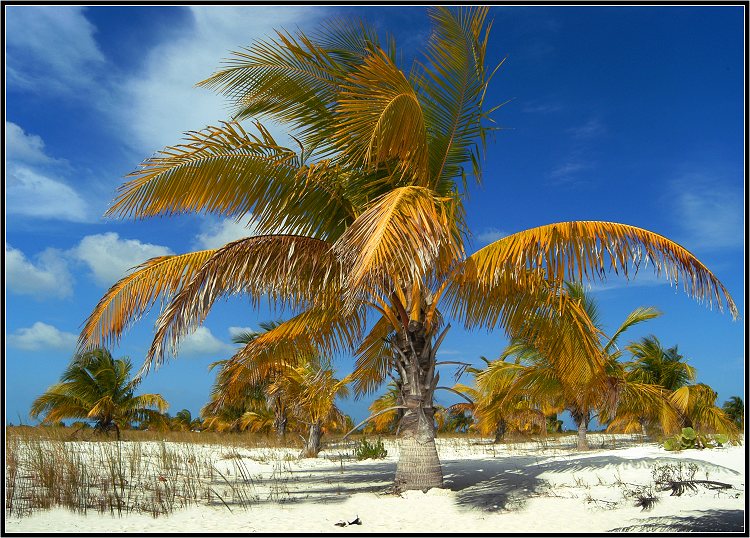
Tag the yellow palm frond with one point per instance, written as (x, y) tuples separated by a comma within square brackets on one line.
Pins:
[(222, 170), (574, 250), (401, 237), (280, 267), (380, 118), (374, 357), (132, 296), (453, 84)]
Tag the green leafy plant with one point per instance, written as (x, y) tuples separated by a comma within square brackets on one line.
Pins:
[(366, 450), (689, 438)]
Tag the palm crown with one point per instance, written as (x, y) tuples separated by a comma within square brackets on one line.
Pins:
[(365, 217), (97, 387)]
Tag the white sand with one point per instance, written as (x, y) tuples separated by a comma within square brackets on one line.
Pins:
[(532, 487)]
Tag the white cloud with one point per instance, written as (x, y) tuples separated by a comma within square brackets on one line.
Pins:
[(490, 235), (42, 336), (592, 128), (709, 214), (49, 277), (110, 257), (203, 342), (163, 95), (51, 49), (236, 331), (216, 234), (24, 147), (32, 193)]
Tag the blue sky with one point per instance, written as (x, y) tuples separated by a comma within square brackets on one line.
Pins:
[(626, 114)]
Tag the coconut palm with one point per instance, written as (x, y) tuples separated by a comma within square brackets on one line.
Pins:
[(653, 364), (312, 390), (240, 389), (98, 388), (734, 408), (361, 228), (538, 378), (697, 407)]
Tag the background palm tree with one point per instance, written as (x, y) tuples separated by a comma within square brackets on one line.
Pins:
[(653, 364), (735, 410), (97, 387), (365, 218), (312, 390), (239, 397), (536, 376)]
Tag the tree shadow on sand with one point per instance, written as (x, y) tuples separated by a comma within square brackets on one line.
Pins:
[(699, 521), (504, 483)]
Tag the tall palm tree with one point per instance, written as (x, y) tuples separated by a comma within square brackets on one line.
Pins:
[(97, 387), (735, 411), (361, 228)]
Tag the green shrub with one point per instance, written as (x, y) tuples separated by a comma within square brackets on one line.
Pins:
[(365, 450), (689, 438)]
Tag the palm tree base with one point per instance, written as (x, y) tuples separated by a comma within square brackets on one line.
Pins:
[(418, 465)]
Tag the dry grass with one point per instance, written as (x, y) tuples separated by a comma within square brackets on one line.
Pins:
[(45, 468)]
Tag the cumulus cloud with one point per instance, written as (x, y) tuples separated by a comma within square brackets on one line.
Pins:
[(51, 49), (42, 336), (24, 147), (203, 342), (163, 95), (32, 193), (48, 276), (216, 234), (34, 186), (109, 258)]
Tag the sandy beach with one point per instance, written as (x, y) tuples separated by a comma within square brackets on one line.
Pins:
[(543, 486)]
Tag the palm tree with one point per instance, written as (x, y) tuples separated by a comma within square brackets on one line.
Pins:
[(312, 390), (734, 408), (697, 407), (97, 387), (361, 229), (184, 421), (694, 403), (651, 363), (537, 376), (241, 388)]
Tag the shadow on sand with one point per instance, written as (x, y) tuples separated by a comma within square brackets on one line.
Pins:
[(699, 521)]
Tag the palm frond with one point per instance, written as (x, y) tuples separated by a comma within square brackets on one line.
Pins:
[(132, 296), (401, 237), (280, 267), (453, 86), (574, 250), (380, 119)]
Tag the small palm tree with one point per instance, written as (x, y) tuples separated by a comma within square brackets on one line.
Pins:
[(540, 377), (239, 397), (98, 388), (696, 405), (312, 390), (653, 364), (734, 408)]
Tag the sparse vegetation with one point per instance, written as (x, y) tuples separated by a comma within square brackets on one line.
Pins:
[(365, 449)]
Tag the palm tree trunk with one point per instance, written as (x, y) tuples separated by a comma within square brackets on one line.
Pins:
[(313, 445), (581, 419), (502, 427), (418, 464), (279, 421)]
